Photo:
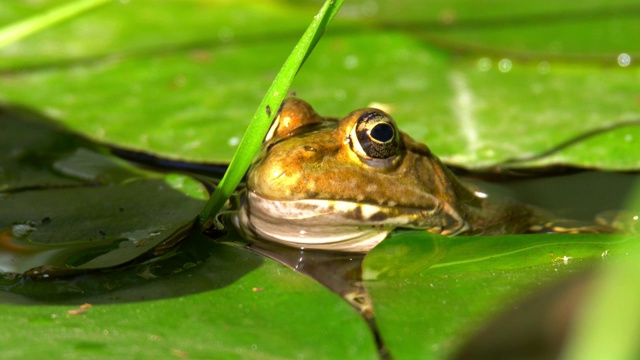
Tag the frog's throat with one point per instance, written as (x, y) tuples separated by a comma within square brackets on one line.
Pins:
[(339, 225)]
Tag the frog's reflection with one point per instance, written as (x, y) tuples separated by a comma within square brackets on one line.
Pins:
[(341, 272)]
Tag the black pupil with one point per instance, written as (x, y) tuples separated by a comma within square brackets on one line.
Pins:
[(382, 132), (376, 135)]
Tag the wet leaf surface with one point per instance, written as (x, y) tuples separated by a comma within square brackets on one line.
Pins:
[(67, 205), (29, 146), (444, 288), (91, 228), (232, 304), (479, 83)]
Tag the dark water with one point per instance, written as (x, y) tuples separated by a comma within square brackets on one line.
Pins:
[(580, 196)]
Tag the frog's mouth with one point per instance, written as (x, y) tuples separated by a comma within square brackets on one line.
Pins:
[(339, 225)]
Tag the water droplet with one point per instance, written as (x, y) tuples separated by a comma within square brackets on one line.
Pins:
[(369, 8), (351, 62), (505, 65), (544, 68), (22, 230), (484, 64), (481, 195), (225, 34), (192, 145), (624, 59), (233, 141)]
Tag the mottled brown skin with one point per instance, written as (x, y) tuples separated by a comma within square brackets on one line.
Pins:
[(310, 157), (318, 163)]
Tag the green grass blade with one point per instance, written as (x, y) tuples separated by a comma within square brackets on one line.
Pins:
[(608, 324), (257, 129), (30, 26)]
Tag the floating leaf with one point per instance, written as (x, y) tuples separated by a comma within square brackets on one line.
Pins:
[(479, 83), (233, 304), (445, 288), (68, 206)]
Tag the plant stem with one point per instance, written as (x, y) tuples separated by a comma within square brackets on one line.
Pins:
[(263, 117), (12, 33)]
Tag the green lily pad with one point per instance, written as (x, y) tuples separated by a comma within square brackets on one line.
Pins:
[(572, 29), (480, 84), (29, 145), (68, 206), (445, 288), (238, 20), (92, 228), (234, 304)]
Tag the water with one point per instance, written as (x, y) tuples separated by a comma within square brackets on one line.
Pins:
[(580, 196)]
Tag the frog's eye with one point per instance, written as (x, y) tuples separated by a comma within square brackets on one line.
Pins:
[(376, 136)]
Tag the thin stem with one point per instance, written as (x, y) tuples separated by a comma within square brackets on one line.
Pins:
[(12, 33), (263, 117)]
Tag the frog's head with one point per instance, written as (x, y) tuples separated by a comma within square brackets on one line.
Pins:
[(345, 184)]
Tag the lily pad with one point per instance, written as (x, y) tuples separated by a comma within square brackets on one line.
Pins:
[(235, 304), (29, 146), (91, 228), (445, 288), (479, 83), (68, 206)]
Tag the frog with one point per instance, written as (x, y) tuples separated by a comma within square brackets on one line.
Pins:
[(344, 184)]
